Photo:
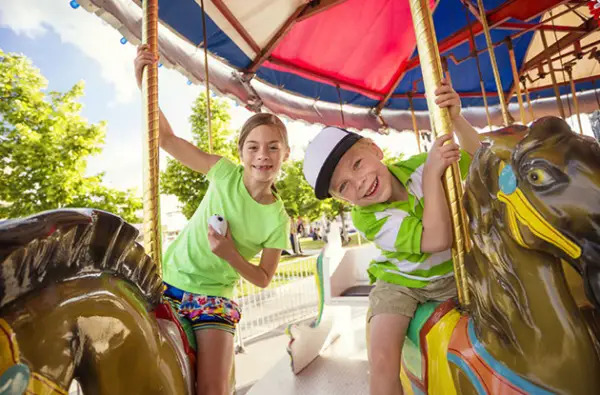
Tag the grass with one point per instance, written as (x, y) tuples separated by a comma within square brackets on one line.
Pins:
[(291, 267)]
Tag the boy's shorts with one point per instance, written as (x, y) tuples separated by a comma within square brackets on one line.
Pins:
[(203, 311), (386, 298)]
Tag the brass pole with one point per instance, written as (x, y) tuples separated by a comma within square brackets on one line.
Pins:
[(152, 228), (490, 45), (476, 56), (485, 103), (431, 68), (569, 71), (523, 80), (552, 76), (513, 65), (414, 122), (206, 84)]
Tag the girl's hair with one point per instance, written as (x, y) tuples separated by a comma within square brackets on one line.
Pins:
[(262, 118)]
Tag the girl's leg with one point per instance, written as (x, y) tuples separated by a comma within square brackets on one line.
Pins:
[(214, 361), (386, 338)]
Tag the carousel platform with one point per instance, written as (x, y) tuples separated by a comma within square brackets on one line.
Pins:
[(341, 368)]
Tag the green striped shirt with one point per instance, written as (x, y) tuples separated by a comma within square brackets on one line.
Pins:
[(396, 229)]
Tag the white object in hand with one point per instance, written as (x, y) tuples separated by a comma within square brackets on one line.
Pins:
[(219, 224)]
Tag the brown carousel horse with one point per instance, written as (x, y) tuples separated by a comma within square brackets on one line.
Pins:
[(533, 200), (79, 300)]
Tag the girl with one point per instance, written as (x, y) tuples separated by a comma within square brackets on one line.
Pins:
[(201, 267)]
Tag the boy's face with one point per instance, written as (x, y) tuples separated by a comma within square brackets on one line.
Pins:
[(360, 177)]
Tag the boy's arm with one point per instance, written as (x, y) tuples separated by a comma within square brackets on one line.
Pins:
[(468, 137), (437, 226)]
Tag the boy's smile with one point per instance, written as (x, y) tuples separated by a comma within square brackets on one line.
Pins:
[(360, 177)]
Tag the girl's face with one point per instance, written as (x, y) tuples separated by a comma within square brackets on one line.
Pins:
[(263, 152)]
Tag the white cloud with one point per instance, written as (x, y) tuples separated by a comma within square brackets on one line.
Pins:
[(84, 30)]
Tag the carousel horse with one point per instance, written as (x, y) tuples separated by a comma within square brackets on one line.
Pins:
[(533, 199), (79, 299)]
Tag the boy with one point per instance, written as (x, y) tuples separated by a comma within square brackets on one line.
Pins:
[(403, 209)]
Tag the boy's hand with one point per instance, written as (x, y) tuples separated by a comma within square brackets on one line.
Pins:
[(446, 96), (143, 58), (441, 156), (221, 246)]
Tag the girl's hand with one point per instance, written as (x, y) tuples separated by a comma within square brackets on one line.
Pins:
[(446, 96), (441, 156), (221, 246), (143, 58)]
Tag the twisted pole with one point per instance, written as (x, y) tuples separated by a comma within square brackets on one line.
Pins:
[(431, 68), (151, 225)]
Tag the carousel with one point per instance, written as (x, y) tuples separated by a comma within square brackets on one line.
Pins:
[(81, 300)]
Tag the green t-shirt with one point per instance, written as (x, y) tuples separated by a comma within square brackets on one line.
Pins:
[(190, 265), (396, 229)]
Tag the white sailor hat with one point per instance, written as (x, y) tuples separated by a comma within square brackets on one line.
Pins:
[(322, 156)]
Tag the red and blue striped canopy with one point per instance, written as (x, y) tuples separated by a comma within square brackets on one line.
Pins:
[(354, 63)]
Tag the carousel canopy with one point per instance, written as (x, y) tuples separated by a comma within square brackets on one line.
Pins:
[(354, 63)]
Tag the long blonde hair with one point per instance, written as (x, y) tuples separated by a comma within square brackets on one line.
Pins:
[(259, 119)]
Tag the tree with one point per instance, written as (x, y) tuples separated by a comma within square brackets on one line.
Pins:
[(44, 146), (298, 197), (188, 185)]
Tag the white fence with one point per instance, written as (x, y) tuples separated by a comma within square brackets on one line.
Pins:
[(291, 296)]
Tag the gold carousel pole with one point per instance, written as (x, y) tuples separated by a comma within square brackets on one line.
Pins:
[(206, 84), (152, 233), (552, 76), (569, 71), (515, 72), (490, 45), (414, 121), (431, 69), (524, 81)]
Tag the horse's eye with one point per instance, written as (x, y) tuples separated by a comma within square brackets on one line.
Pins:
[(539, 177)]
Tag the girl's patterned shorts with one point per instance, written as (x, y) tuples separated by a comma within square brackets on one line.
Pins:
[(203, 311)]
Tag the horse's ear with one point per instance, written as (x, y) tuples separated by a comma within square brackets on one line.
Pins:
[(503, 141)]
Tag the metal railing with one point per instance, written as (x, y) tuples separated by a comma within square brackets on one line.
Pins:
[(291, 296)]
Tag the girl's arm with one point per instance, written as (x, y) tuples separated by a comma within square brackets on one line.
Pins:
[(182, 150), (468, 137), (260, 275)]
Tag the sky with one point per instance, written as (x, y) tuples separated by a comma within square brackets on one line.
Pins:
[(70, 45)]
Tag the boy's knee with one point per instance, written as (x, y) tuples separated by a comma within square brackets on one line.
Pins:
[(211, 388), (385, 361)]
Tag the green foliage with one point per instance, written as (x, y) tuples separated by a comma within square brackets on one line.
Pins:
[(190, 186), (44, 147), (298, 197)]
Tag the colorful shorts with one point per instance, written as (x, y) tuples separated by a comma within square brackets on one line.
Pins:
[(203, 311)]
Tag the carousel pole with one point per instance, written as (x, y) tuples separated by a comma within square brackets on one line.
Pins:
[(524, 82), (476, 56), (206, 84), (569, 71), (414, 121), (490, 45), (513, 65), (441, 124), (552, 76), (151, 227)]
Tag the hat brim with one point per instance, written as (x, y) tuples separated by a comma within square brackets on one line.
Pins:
[(326, 172)]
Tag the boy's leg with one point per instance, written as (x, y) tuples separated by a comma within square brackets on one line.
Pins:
[(386, 340), (391, 307), (214, 361)]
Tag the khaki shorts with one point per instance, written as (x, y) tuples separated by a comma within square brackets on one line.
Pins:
[(386, 298)]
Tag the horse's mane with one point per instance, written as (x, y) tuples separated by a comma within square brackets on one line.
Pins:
[(57, 245), (493, 284)]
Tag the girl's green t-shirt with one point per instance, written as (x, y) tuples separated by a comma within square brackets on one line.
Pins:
[(190, 265)]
